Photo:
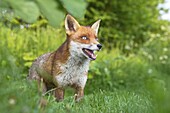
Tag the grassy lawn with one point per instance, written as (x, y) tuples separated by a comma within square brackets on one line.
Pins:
[(21, 97)]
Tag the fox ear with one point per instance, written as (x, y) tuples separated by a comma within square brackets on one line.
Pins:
[(71, 25), (95, 26)]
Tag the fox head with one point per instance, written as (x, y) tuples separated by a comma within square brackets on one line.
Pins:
[(83, 39)]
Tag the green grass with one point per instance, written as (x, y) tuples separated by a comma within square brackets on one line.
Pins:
[(20, 96), (138, 83), (105, 102)]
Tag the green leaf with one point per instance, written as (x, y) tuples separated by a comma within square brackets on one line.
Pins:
[(75, 7), (26, 10), (49, 9)]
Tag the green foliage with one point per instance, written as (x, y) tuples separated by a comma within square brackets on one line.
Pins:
[(48, 9), (131, 73), (32, 45), (27, 10), (116, 82), (77, 10), (125, 24), (15, 95), (7, 60), (53, 10)]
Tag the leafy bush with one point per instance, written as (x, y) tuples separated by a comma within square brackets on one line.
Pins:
[(126, 24), (26, 45), (30, 11)]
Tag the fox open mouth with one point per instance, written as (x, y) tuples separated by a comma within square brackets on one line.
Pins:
[(89, 53)]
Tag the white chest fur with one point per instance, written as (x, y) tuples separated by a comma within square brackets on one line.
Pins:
[(74, 72)]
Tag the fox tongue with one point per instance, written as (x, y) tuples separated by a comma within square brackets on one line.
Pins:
[(90, 54), (93, 56)]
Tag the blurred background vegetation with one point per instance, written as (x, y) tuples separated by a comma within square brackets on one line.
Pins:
[(135, 56)]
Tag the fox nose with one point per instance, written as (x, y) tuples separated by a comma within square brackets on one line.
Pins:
[(99, 46)]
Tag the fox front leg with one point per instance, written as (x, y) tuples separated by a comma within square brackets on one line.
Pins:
[(59, 94), (79, 94)]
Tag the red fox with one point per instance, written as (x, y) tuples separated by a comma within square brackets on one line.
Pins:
[(69, 64)]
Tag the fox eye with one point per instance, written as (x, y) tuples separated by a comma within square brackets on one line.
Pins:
[(84, 37)]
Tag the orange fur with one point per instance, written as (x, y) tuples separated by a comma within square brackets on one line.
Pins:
[(84, 31)]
